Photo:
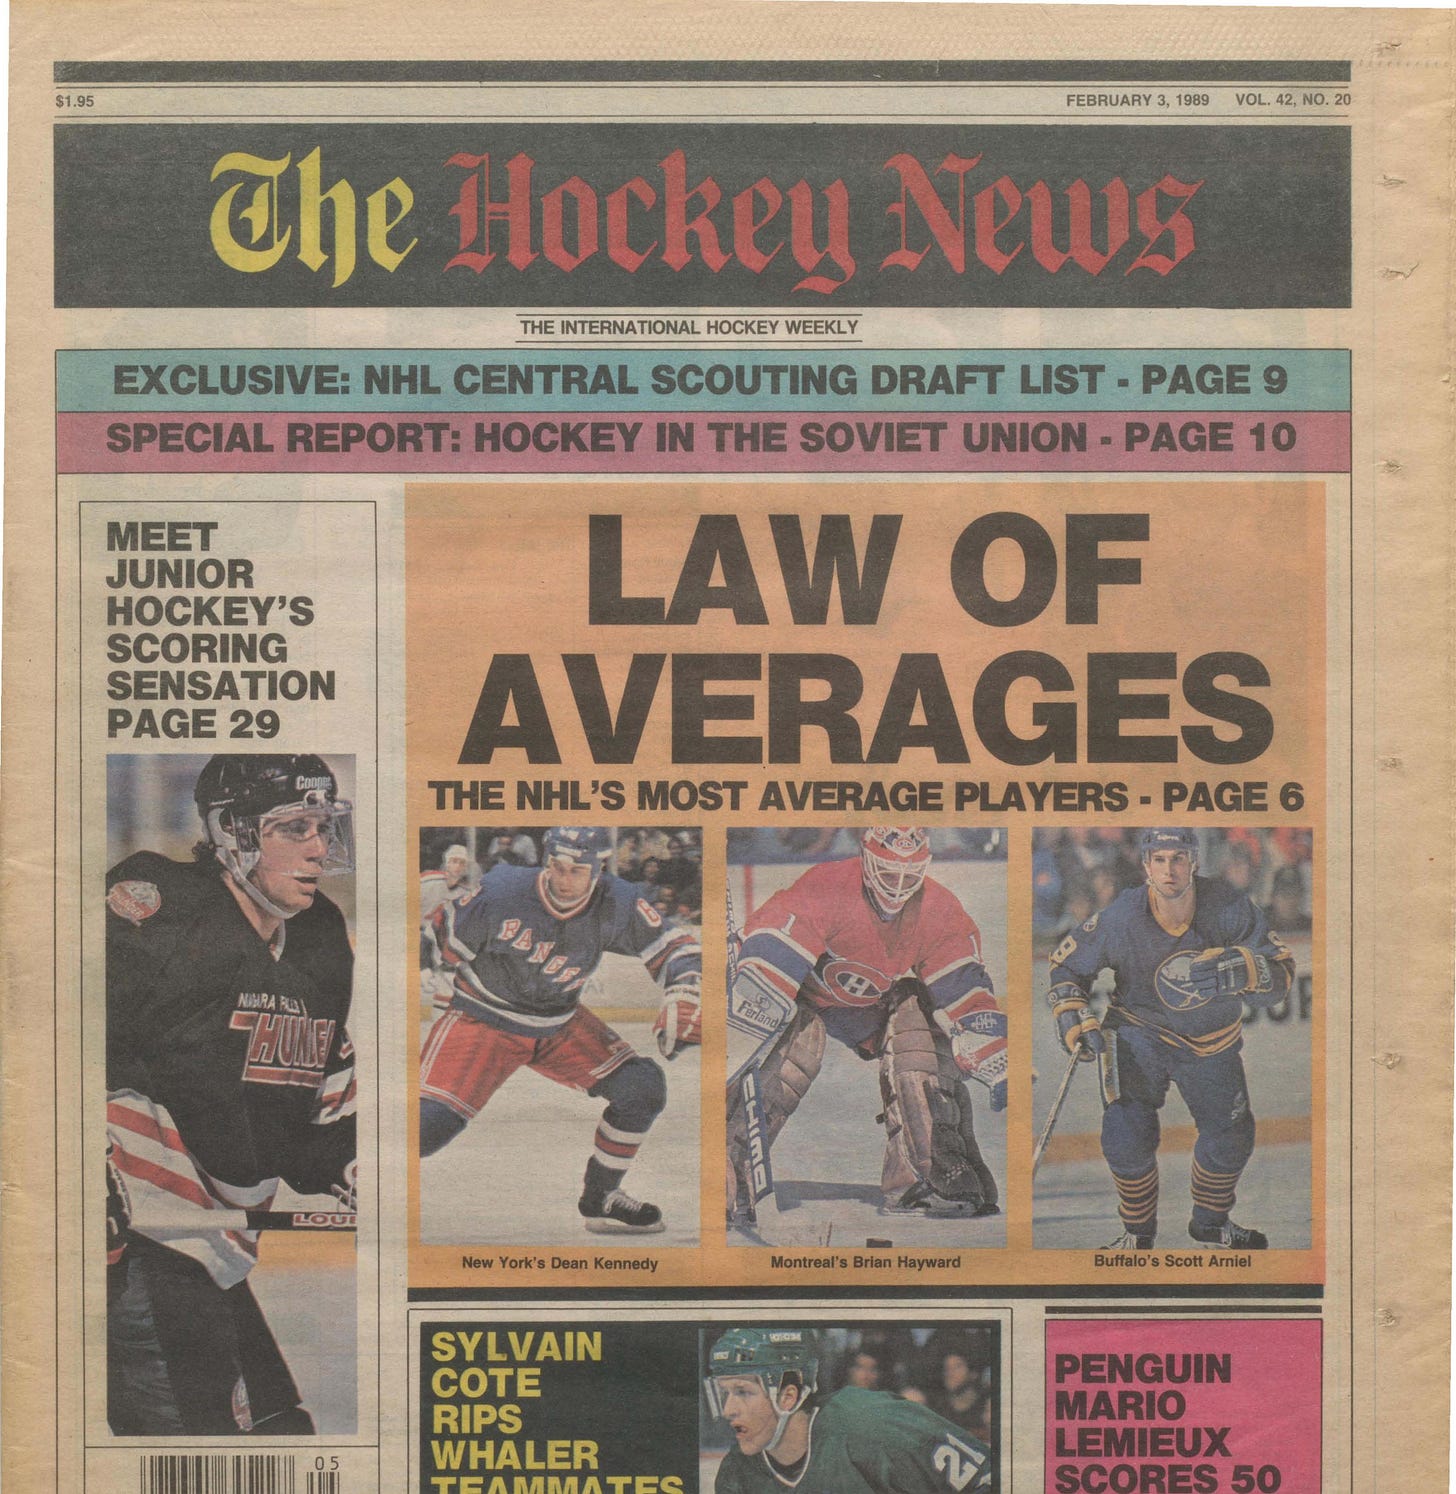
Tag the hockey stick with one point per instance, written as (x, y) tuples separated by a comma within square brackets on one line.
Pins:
[(1051, 1120), (204, 1222), (757, 1177)]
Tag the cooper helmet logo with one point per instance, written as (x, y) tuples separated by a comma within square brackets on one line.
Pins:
[(1174, 985)]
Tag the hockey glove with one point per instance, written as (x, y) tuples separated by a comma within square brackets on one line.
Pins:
[(679, 1022), (1077, 1024), (1231, 971), (346, 1190), (978, 1045)]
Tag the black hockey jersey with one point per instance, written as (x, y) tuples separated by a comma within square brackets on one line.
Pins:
[(229, 1066)]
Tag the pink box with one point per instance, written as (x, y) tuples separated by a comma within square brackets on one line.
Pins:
[(1207, 1406)]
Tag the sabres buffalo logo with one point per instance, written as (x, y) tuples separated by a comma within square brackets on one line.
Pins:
[(1174, 987)]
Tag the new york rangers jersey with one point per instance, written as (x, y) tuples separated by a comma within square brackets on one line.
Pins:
[(521, 966), (1150, 961), (821, 941), (228, 1063)]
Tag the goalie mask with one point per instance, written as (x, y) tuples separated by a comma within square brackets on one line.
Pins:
[(241, 795), (776, 1358), (894, 860)]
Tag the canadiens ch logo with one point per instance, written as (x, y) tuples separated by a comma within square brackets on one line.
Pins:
[(1175, 989), (853, 983), (134, 901)]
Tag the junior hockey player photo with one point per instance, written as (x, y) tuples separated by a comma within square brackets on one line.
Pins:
[(1177, 1035), (785, 1402), (230, 1088), (545, 964), (862, 1016)]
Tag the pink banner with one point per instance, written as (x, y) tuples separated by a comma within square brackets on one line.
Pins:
[(1151, 441), (1199, 1407)]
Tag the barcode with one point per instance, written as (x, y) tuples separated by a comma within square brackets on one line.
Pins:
[(222, 1473), (323, 1483)]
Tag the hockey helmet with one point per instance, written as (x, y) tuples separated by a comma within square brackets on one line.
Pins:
[(575, 845), (237, 794), (775, 1357), (1169, 840), (894, 860)]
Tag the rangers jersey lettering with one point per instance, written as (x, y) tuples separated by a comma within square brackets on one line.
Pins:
[(1150, 963), (820, 940), (521, 966), (228, 1064)]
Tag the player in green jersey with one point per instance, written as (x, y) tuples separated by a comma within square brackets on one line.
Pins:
[(763, 1383)]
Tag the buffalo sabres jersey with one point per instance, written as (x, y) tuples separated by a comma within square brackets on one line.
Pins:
[(821, 940), (868, 1442), (1150, 961), (227, 1060), (521, 966)]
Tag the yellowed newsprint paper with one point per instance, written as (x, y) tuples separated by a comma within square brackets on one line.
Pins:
[(727, 750)]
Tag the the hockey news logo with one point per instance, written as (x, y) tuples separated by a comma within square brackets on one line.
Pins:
[(285, 1045)]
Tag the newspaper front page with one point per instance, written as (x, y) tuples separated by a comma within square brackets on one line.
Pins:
[(727, 750)]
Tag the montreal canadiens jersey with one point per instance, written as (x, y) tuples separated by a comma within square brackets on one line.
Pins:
[(519, 965), (868, 1442), (821, 940), (1150, 963), (227, 1069)]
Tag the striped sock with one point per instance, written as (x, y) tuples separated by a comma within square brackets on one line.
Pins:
[(1213, 1193), (1137, 1201), (612, 1153)]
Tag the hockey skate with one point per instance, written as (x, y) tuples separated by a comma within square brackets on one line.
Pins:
[(921, 1201), (618, 1213), (1127, 1240), (1228, 1236)]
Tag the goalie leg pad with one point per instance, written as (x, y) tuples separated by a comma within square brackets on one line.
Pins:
[(926, 1129)]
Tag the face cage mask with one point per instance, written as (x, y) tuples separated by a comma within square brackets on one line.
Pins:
[(240, 847), (891, 884), (771, 1386)]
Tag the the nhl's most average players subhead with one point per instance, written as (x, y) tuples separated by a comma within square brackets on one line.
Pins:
[(229, 1068), (764, 1383), (1186, 953), (520, 949), (882, 957)]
